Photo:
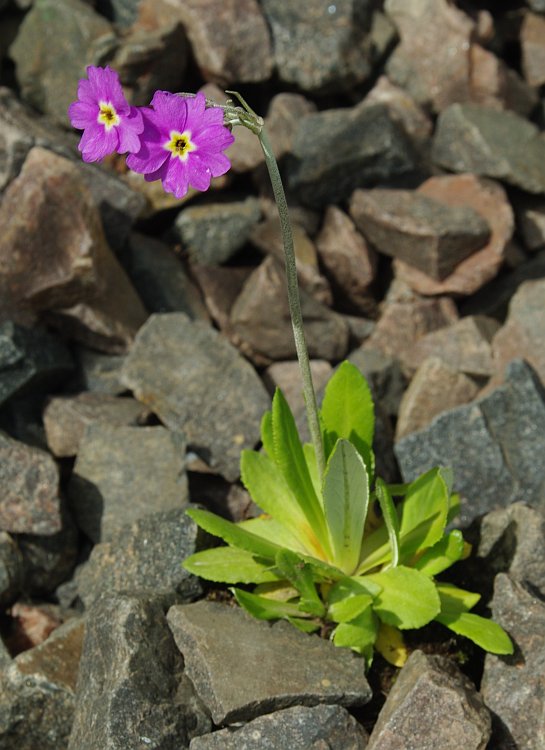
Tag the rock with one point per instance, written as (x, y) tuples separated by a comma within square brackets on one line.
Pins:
[(326, 726), (432, 60), (436, 387), (465, 346), (522, 335), (29, 489), (511, 686), (531, 222), (472, 138), (220, 286), (30, 359), (66, 417), (320, 47), (55, 255), (493, 446), (31, 625), (100, 373), (124, 473), (220, 646), (511, 541), (370, 147), (214, 232), (144, 557), (384, 375), (537, 5), (431, 705), (37, 692), (48, 71), (532, 44), (122, 12), (230, 40), (287, 377), (494, 84), (131, 690), (261, 321), (490, 201), (11, 570), (348, 260), (285, 112), (196, 382), (423, 232)]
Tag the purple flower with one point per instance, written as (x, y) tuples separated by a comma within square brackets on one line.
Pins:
[(182, 143), (108, 121)]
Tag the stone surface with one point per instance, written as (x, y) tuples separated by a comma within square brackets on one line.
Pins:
[(319, 46), (196, 382), (124, 473), (56, 40), (31, 625), (131, 691), (434, 388), (144, 557), (532, 44), (349, 262), (220, 286), (429, 235), (284, 114), (384, 375), (29, 489), (490, 201), (523, 334), (302, 727), (30, 358), (531, 222), (503, 145), (261, 321), (493, 445), (230, 40), (221, 646), (370, 147), (37, 692), (512, 687), (66, 418), (464, 346), (122, 12), (11, 569), (99, 372), (431, 705), (287, 377), (495, 84), (214, 232)]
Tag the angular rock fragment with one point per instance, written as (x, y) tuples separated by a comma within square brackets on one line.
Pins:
[(99, 372), (221, 646), (431, 704), (11, 570), (198, 383), (284, 114), (124, 473), (495, 84), (531, 222), (532, 43), (220, 286), (425, 233), (287, 377)]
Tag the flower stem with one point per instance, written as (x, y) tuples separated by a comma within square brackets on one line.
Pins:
[(294, 302)]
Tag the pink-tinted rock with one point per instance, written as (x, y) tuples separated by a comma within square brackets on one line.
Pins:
[(532, 42), (287, 377), (348, 260), (489, 199), (31, 625), (494, 84), (402, 108), (220, 286), (285, 112)]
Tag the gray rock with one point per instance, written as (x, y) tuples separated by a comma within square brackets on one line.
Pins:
[(431, 705), (213, 233), (483, 140), (37, 692), (384, 375), (537, 5), (47, 72), (494, 446), (369, 147), (532, 34), (222, 645), (144, 557), (124, 473), (11, 570), (512, 687), (99, 372), (198, 383), (423, 232), (121, 12), (531, 222), (319, 46), (297, 728), (29, 489), (131, 691), (220, 286), (30, 359)]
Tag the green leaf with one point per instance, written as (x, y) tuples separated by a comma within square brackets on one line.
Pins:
[(485, 633), (359, 634), (229, 565), (267, 433), (269, 528), (408, 598), (391, 520), (346, 587), (312, 464), (424, 512), (307, 626), (233, 534), (347, 411), (346, 496), (268, 488), (300, 575), (348, 609), (444, 553), (290, 459), (455, 600), (266, 609)]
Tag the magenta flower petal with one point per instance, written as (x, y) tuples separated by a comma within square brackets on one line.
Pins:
[(129, 135), (177, 178), (152, 154), (96, 143), (82, 113)]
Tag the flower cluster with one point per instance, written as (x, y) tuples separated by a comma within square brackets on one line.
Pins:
[(176, 139)]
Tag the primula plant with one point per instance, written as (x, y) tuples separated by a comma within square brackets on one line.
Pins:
[(337, 549)]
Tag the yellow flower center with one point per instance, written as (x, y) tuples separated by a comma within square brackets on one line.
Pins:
[(107, 115), (180, 144)]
